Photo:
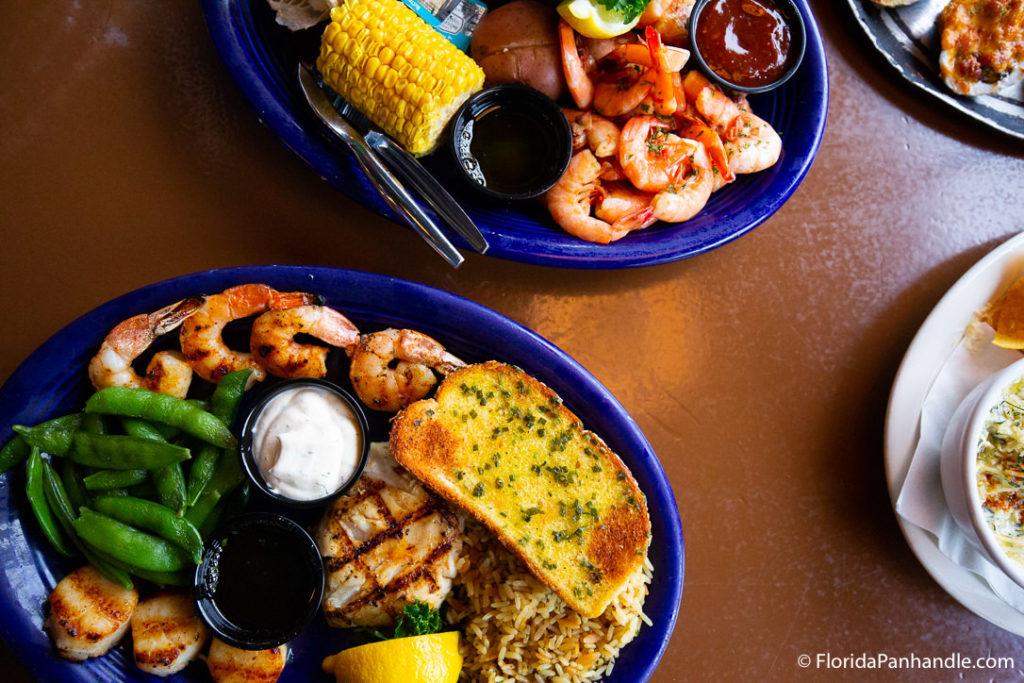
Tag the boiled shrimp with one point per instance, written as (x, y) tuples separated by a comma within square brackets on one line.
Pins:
[(684, 198), (620, 92), (651, 156), (571, 199), (593, 131), (273, 344), (392, 368), (751, 143), (623, 204), (670, 18), (201, 340), (167, 372), (693, 128), (663, 92), (577, 65)]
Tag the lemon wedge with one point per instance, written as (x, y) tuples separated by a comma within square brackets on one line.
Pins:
[(431, 658), (1006, 316), (593, 20)]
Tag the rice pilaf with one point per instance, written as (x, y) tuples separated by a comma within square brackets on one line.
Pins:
[(517, 629)]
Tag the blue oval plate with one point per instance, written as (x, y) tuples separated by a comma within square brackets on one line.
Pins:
[(53, 381), (263, 56)]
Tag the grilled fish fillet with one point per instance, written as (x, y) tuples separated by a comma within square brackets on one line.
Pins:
[(385, 545), (167, 632), (499, 445), (89, 614), (231, 665)]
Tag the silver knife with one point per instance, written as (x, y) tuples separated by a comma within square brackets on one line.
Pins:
[(396, 196), (427, 187)]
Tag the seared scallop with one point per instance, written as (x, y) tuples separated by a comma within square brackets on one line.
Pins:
[(386, 544), (231, 665), (89, 614), (167, 633)]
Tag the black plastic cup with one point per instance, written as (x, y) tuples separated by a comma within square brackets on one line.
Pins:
[(251, 466), (797, 46), (260, 582), (549, 143)]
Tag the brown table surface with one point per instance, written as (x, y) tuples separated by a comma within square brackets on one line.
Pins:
[(759, 372)]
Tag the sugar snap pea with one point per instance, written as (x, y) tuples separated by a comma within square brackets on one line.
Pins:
[(227, 397), (113, 479), (151, 516), (72, 480), (169, 479), (128, 544), (94, 424), (57, 497), (14, 452), (178, 578), (52, 436), (121, 452), (40, 508), (163, 408)]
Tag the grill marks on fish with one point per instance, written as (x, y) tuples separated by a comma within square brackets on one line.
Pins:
[(387, 544)]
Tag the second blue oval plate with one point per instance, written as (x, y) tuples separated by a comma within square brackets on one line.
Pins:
[(262, 57), (53, 381)]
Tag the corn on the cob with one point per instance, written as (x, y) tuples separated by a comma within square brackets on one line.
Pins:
[(397, 70)]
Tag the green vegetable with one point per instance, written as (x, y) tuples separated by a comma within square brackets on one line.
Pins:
[(627, 9), (52, 436), (14, 452), (113, 479), (169, 410), (73, 486), (417, 619), (57, 497), (40, 507), (129, 545), (169, 480), (119, 452), (224, 405), (154, 517)]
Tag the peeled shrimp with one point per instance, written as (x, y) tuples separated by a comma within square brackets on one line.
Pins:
[(751, 143), (392, 368), (570, 201), (651, 156), (684, 198), (669, 18), (591, 130), (167, 372), (578, 66), (201, 340), (273, 340)]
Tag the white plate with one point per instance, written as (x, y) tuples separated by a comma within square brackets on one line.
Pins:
[(932, 344)]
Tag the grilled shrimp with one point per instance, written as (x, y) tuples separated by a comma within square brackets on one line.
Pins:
[(201, 340), (167, 633), (392, 368), (231, 665), (273, 339), (386, 544), (89, 614), (167, 372)]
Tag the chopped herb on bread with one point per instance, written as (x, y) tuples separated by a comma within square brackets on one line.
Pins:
[(500, 445)]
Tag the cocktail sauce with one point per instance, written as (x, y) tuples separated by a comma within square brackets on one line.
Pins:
[(745, 42)]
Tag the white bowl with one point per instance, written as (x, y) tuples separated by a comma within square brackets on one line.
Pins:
[(959, 466)]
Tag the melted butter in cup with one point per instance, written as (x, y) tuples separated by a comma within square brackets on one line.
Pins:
[(307, 442)]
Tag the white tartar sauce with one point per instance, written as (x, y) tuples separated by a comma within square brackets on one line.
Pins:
[(306, 442)]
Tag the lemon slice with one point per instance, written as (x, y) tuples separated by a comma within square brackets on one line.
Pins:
[(594, 21), (432, 658), (1006, 316)]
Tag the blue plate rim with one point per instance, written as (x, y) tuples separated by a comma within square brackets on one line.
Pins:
[(21, 628), (307, 139)]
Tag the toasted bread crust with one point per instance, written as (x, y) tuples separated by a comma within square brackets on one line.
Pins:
[(500, 445)]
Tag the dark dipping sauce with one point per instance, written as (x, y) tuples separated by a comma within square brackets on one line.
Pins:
[(513, 149), (260, 582), (745, 42)]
